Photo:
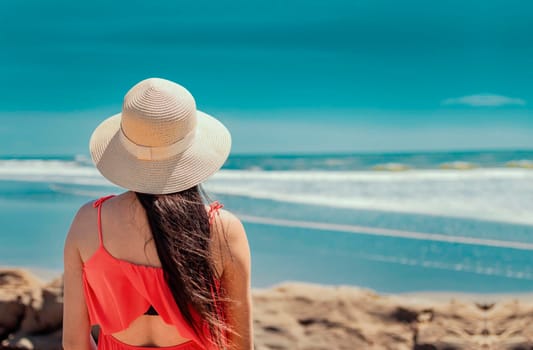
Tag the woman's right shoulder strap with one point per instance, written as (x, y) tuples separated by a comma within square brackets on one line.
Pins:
[(214, 210), (98, 204)]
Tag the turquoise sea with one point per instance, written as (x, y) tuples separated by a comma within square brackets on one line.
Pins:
[(377, 143)]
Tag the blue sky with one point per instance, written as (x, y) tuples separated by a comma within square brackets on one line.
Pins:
[(286, 76)]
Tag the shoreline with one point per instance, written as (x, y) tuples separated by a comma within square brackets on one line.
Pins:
[(422, 296), (471, 297), (47, 275)]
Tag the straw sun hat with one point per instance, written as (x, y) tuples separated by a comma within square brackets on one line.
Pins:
[(159, 143)]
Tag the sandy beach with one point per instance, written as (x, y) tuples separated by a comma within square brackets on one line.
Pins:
[(308, 316)]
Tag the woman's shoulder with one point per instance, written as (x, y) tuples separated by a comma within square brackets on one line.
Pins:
[(228, 228), (86, 214), (83, 221), (86, 220), (227, 221)]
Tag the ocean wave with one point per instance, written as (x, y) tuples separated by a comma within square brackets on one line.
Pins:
[(90, 192), (462, 267), (81, 169), (498, 194), (523, 163), (391, 167), (412, 175), (376, 231), (50, 171), (458, 165)]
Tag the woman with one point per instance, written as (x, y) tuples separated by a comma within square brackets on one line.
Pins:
[(154, 266)]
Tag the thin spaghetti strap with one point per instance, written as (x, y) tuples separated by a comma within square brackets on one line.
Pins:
[(213, 210), (98, 204)]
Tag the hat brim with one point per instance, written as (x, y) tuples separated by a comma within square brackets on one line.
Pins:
[(207, 153)]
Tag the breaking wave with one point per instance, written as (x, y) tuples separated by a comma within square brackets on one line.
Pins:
[(497, 194)]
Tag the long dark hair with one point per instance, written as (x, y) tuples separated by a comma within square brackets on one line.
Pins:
[(182, 235)]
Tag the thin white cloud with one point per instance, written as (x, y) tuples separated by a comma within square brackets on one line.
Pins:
[(485, 100)]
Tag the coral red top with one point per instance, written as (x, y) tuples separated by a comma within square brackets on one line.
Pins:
[(118, 291)]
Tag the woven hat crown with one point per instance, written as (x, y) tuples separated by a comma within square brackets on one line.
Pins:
[(158, 112)]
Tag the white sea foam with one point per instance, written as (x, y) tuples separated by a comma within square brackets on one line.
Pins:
[(376, 231), (463, 267), (50, 171), (499, 194)]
